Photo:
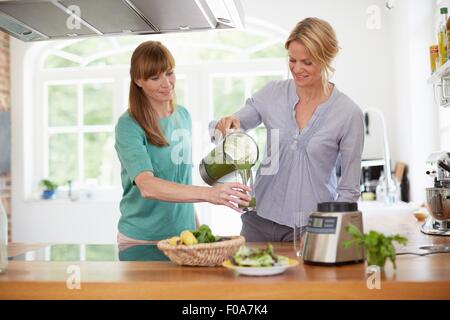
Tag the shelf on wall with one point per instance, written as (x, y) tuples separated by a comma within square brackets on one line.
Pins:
[(440, 80), (441, 72)]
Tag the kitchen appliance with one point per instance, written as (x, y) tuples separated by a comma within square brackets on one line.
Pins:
[(438, 197), (237, 151), (34, 20), (235, 154), (326, 232)]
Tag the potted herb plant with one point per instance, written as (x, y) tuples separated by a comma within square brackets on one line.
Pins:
[(49, 188), (378, 246)]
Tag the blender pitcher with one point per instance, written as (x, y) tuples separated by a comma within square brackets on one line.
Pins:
[(237, 152)]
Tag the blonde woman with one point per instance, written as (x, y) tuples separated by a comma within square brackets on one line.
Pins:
[(316, 125), (154, 148)]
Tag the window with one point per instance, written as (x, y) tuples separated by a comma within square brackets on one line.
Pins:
[(80, 131), (83, 252)]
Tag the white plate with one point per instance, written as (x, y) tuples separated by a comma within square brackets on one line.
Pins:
[(259, 271)]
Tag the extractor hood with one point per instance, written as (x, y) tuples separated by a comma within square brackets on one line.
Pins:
[(34, 20)]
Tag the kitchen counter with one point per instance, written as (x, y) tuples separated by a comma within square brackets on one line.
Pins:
[(416, 277)]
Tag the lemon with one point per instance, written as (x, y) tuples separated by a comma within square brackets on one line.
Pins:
[(174, 241), (188, 238)]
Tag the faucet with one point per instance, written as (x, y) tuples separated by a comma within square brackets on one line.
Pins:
[(386, 154)]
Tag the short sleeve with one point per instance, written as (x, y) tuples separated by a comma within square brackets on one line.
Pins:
[(131, 148)]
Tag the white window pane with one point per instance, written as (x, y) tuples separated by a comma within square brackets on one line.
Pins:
[(62, 105), (98, 157), (63, 156), (228, 95), (180, 92), (53, 62), (98, 103), (258, 82)]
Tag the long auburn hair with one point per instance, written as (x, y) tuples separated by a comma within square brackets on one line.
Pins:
[(150, 58)]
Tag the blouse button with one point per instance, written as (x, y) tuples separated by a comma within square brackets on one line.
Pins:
[(294, 145)]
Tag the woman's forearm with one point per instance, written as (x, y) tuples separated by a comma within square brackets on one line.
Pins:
[(159, 189)]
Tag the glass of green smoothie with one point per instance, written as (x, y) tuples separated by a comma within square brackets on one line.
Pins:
[(244, 175)]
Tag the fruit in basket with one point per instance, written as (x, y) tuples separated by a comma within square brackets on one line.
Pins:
[(188, 238), (174, 241), (202, 235)]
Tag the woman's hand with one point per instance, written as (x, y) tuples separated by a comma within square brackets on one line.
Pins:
[(230, 194), (227, 123)]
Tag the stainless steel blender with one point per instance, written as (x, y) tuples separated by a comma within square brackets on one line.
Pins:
[(438, 197)]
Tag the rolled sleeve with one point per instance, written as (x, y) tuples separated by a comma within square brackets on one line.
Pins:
[(250, 115), (131, 149), (351, 147)]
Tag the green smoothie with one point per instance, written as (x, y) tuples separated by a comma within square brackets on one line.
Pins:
[(218, 170), (245, 172), (251, 205)]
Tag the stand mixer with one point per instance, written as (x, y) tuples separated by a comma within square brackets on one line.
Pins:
[(438, 197)]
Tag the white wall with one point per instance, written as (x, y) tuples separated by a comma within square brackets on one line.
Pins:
[(416, 135), (385, 68)]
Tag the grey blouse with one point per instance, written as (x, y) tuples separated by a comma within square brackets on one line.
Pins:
[(299, 166)]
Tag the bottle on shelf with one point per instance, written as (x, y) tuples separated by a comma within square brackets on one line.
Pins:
[(434, 57), (448, 38), (443, 37)]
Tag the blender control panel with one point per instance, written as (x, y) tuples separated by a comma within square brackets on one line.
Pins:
[(319, 224)]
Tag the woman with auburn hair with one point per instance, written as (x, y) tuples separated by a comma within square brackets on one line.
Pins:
[(153, 143), (314, 126)]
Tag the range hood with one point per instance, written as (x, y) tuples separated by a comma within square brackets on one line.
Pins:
[(35, 20)]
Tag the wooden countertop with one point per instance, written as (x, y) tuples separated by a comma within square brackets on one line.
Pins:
[(417, 277)]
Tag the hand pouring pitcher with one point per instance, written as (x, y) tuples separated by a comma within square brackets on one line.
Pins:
[(236, 152)]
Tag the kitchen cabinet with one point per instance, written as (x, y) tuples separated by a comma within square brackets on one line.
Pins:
[(417, 277)]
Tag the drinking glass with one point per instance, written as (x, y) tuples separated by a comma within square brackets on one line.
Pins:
[(245, 176), (301, 219)]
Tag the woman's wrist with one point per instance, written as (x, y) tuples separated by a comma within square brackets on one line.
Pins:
[(205, 194)]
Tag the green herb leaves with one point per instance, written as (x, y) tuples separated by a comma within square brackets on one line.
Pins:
[(378, 246), (204, 234)]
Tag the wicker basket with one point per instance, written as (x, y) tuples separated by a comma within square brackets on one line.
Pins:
[(202, 254)]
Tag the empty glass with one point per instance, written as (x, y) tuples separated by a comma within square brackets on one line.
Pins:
[(301, 219)]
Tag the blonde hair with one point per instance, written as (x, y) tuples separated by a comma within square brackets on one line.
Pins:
[(150, 58), (320, 41)]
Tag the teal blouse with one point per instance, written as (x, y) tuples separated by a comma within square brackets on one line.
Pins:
[(148, 219)]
